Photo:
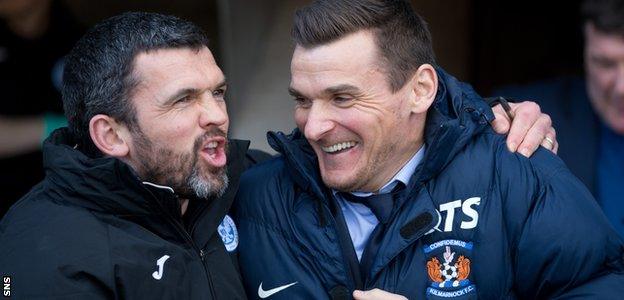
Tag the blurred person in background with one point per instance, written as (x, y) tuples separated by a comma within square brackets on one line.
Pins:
[(35, 35), (589, 112)]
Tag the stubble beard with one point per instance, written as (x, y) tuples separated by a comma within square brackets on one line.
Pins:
[(364, 175), (183, 172), (203, 189)]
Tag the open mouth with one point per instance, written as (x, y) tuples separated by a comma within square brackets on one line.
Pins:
[(214, 151), (339, 147)]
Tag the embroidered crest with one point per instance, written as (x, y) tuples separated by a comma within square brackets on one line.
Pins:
[(448, 273), (449, 270), (229, 234)]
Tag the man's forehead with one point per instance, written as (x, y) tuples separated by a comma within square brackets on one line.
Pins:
[(172, 66), (353, 50), (160, 60), (345, 62), (605, 47), (593, 34), (163, 62)]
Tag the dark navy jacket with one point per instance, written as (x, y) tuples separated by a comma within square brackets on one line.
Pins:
[(565, 100), (475, 221), (581, 135)]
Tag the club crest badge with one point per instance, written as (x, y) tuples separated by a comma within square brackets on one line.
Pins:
[(448, 267), (229, 234)]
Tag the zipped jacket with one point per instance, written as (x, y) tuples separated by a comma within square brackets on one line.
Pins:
[(93, 230), (475, 221)]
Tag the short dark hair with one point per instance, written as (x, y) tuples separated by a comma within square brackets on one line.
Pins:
[(401, 34), (98, 76), (606, 15)]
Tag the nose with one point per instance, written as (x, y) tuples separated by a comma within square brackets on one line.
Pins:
[(213, 112), (319, 122)]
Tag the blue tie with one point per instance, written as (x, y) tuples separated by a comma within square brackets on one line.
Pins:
[(380, 204)]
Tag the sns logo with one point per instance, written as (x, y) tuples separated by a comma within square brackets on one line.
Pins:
[(6, 286), (467, 208)]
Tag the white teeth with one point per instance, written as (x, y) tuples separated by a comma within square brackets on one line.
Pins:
[(212, 145), (338, 147)]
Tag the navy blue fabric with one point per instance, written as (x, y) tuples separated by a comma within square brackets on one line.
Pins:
[(500, 225), (382, 205), (591, 153), (565, 100), (611, 177)]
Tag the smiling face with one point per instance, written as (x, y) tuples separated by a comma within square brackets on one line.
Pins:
[(604, 65), (182, 121), (361, 131)]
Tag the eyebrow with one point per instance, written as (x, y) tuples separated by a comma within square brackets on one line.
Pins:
[(342, 88), (222, 84), (293, 92), (332, 90), (600, 57), (191, 91)]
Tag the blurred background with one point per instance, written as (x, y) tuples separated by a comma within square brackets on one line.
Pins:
[(486, 43)]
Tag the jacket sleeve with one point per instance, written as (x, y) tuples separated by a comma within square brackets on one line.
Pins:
[(567, 247)]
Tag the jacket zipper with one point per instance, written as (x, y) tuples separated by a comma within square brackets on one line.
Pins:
[(351, 276), (202, 253), (180, 229), (193, 221)]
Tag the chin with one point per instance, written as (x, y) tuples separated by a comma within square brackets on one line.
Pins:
[(615, 122), (618, 128), (208, 184), (338, 183)]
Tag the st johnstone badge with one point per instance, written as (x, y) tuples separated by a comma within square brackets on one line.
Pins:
[(229, 234)]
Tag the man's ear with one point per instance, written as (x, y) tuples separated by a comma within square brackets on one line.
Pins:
[(424, 87), (109, 136)]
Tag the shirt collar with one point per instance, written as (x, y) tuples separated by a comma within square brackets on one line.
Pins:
[(403, 175)]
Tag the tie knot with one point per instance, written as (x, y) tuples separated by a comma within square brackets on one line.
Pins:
[(380, 204)]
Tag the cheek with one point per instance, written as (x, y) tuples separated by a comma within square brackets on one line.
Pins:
[(369, 125), (601, 79), (175, 134)]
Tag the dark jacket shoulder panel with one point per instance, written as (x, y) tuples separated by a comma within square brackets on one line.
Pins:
[(257, 196), (81, 260)]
